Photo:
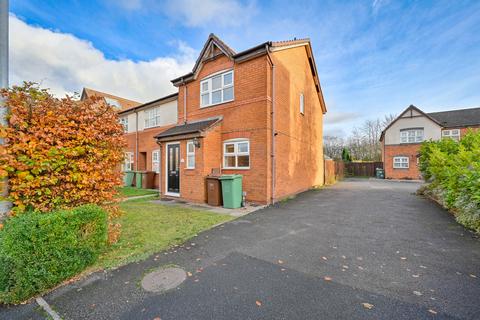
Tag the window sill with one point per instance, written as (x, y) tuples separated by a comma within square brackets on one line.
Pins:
[(401, 168), (216, 104), (236, 168)]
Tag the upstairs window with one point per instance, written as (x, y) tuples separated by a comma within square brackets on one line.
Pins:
[(411, 135), (190, 155), (452, 134), (216, 89), (302, 104), (156, 161), (152, 117), (400, 162), (236, 154), (124, 122)]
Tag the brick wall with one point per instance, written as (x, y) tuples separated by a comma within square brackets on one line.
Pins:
[(406, 150), (299, 141)]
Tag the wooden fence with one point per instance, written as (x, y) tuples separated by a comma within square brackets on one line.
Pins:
[(333, 171), (362, 169)]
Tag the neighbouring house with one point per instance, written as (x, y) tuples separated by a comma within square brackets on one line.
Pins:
[(401, 140), (142, 122), (258, 113)]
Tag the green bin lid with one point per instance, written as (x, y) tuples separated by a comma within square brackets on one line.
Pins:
[(230, 176)]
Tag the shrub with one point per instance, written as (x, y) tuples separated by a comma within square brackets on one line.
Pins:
[(453, 169), (60, 153), (38, 251)]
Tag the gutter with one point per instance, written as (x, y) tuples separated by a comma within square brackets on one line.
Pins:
[(274, 134)]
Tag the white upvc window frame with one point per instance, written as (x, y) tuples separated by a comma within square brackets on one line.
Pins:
[(416, 135), (156, 161), (128, 162), (236, 153), (206, 88), (124, 122), (152, 117), (190, 155), (401, 162), (302, 103), (452, 134)]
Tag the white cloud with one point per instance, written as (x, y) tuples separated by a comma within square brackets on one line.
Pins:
[(220, 12), (65, 64), (340, 117)]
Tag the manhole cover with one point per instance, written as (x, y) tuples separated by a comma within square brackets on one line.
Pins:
[(163, 279)]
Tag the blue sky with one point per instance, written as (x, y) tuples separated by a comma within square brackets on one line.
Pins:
[(373, 57)]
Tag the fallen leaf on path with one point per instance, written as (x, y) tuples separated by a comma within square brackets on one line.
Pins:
[(432, 311), (345, 267), (417, 293), (282, 269), (473, 276), (423, 267), (327, 279), (280, 261), (367, 305), (189, 274), (324, 258), (258, 303), (343, 257), (415, 275), (403, 258)]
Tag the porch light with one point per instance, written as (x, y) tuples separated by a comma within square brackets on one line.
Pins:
[(196, 142)]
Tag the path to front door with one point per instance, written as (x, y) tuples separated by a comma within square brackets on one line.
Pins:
[(172, 169)]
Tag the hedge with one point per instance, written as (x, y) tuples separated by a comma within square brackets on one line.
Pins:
[(38, 250), (453, 170)]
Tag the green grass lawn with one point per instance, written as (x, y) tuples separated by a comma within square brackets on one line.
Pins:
[(148, 228), (134, 192)]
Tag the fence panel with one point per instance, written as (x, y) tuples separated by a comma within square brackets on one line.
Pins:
[(362, 169), (333, 171)]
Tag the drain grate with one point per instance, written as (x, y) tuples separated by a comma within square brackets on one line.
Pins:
[(163, 279)]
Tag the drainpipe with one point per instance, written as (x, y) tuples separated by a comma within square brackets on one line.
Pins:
[(136, 140), (184, 102), (272, 155)]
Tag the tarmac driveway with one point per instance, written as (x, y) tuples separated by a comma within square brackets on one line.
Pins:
[(362, 249)]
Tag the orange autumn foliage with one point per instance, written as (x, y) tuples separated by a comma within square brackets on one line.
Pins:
[(60, 153)]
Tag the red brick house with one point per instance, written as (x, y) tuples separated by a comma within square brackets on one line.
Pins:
[(401, 140), (142, 122), (258, 113)]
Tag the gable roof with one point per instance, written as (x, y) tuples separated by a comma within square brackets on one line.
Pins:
[(196, 127), (123, 103), (411, 107), (457, 118), (207, 53)]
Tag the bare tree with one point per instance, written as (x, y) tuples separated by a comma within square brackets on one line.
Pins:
[(363, 142), (333, 146)]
